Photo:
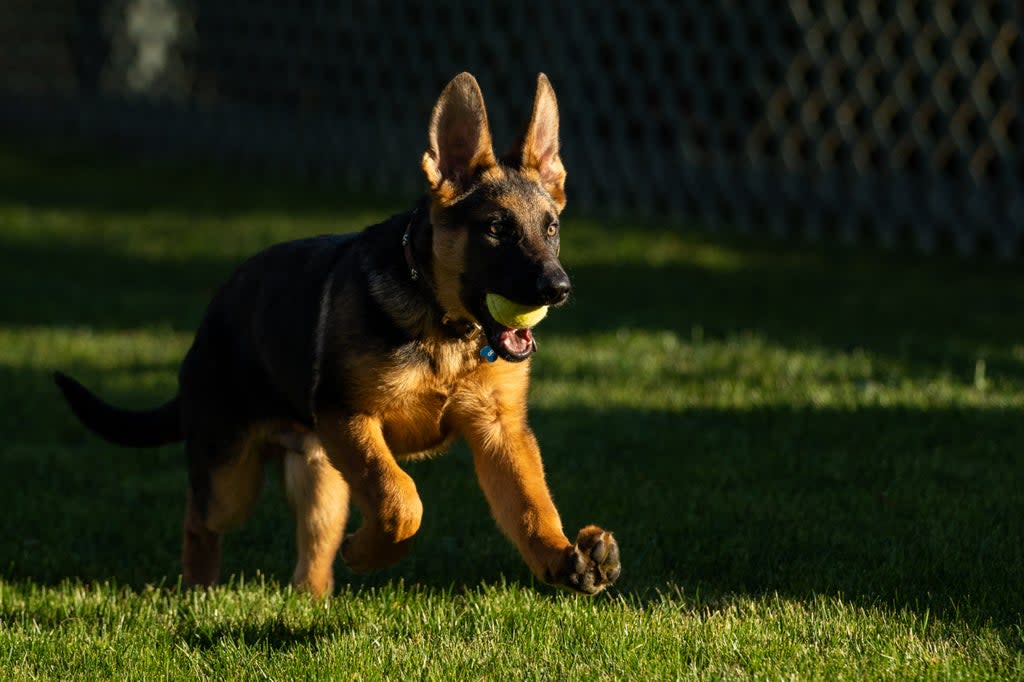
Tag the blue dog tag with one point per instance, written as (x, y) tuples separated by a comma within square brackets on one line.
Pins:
[(488, 354)]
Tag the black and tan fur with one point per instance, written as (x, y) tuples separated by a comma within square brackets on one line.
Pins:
[(342, 355)]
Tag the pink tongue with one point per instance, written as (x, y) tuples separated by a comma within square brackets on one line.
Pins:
[(517, 341)]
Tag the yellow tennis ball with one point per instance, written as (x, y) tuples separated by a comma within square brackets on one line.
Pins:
[(515, 315)]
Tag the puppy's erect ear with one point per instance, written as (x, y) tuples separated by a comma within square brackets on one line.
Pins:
[(539, 151), (460, 139)]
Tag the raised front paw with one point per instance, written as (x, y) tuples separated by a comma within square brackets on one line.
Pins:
[(592, 564)]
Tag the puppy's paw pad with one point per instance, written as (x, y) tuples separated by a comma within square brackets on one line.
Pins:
[(593, 562)]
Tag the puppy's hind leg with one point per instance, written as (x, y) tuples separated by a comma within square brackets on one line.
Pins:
[(200, 546), (220, 498), (319, 497)]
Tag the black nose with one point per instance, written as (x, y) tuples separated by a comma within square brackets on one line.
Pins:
[(554, 287)]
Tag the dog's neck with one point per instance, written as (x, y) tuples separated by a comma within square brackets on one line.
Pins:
[(416, 239)]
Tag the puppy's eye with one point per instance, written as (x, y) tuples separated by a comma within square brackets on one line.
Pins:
[(552, 229), (496, 229)]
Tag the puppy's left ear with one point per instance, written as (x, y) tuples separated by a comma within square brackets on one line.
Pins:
[(538, 150)]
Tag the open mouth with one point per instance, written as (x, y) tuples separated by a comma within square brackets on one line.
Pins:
[(508, 326), (509, 343), (513, 344)]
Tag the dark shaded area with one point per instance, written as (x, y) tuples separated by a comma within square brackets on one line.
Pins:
[(275, 634), (99, 288), (65, 174)]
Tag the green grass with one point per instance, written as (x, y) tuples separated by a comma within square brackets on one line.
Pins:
[(811, 458)]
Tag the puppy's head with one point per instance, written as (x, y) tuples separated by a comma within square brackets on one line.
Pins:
[(495, 221)]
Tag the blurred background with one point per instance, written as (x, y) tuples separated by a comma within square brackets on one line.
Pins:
[(861, 121)]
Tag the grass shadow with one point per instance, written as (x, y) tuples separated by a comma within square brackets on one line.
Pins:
[(64, 175), (276, 634), (87, 285)]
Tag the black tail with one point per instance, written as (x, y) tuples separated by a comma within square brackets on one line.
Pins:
[(130, 428)]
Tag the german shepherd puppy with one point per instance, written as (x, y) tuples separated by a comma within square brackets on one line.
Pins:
[(342, 355)]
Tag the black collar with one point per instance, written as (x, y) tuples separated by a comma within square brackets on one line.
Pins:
[(410, 257)]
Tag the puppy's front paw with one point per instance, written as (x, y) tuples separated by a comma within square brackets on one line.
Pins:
[(592, 564)]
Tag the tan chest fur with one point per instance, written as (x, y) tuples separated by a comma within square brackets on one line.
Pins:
[(413, 392)]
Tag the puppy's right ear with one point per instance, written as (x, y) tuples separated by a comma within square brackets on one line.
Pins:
[(460, 139)]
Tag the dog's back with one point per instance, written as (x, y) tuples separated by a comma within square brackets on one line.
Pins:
[(256, 347)]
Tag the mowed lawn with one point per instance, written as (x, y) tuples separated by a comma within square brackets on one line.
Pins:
[(811, 458)]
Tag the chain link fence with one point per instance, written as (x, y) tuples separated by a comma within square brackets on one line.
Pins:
[(892, 122)]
